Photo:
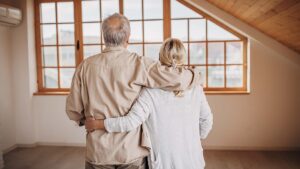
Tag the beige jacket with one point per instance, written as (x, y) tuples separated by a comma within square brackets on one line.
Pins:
[(105, 86)]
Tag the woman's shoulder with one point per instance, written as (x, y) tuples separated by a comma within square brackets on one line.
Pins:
[(155, 93)]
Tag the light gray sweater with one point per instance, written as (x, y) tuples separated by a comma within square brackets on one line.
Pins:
[(175, 126)]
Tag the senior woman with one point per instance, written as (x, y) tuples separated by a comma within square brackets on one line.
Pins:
[(175, 121)]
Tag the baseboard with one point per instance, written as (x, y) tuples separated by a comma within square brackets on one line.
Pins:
[(218, 148), (9, 149), (257, 148), (61, 144), (27, 145), (1, 160)]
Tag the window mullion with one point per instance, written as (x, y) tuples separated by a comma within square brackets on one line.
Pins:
[(121, 6), (167, 18), (206, 53), (38, 46), (57, 46), (78, 31)]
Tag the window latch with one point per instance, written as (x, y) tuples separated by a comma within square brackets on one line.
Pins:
[(78, 45)]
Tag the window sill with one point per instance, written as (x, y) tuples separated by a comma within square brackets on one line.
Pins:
[(226, 92), (206, 92), (51, 93)]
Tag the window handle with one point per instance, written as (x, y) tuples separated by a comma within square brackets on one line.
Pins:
[(78, 45)]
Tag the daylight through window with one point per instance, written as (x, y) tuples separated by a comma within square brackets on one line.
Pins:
[(70, 31)]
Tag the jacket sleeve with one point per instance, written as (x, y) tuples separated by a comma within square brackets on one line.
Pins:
[(169, 78), (74, 103), (206, 117), (136, 116)]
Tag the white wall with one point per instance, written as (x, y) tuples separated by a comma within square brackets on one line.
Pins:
[(53, 125), (7, 117), (268, 117), (264, 119), (23, 54)]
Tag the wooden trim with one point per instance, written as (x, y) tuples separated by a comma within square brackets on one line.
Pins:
[(216, 65), (245, 62), (121, 7), (225, 71), (167, 18), (206, 53), (223, 89), (38, 45), (57, 47), (226, 92), (78, 31), (143, 28), (54, 93), (188, 43), (43, 1), (101, 35)]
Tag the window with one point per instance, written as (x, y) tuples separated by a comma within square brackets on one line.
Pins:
[(68, 31)]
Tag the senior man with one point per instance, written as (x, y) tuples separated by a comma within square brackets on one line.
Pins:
[(107, 84)]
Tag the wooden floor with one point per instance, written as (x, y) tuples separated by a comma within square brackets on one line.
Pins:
[(44, 157)]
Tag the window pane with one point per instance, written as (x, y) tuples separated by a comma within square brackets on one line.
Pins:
[(186, 49), (216, 53), (153, 31), (234, 76), (65, 12), (137, 33), (203, 74), (215, 32), (215, 76), (66, 75), (197, 29), (90, 10), (49, 34), (48, 13), (67, 56), (197, 53), (49, 56), (136, 48), (109, 7), (152, 51), (178, 10), (91, 33), (66, 33), (133, 9), (90, 50), (234, 53), (179, 29), (153, 9), (50, 77)]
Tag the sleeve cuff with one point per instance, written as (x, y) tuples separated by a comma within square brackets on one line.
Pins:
[(107, 125)]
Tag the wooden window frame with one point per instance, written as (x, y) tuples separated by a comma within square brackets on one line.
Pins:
[(78, 24)]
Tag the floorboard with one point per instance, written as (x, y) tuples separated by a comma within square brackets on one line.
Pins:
[(50, 157)]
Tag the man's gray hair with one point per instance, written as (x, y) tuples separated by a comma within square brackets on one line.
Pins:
[(116, 30)]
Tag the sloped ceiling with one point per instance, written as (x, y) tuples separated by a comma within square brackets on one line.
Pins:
[(279, 19)]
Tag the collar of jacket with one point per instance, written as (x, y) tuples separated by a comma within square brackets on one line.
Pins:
[(115, 48)]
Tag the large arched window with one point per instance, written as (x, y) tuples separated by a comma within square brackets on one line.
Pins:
[(68, 31)]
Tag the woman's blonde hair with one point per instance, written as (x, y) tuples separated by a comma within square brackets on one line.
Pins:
[(172, 53)]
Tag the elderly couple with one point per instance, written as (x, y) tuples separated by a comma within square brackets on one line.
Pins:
[(139, 113)]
